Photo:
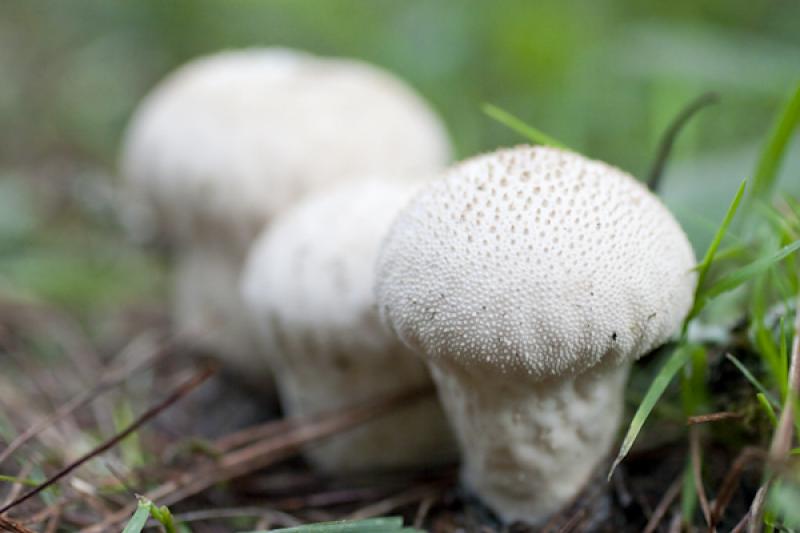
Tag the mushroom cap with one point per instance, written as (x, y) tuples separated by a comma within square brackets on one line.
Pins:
[(535, 260), (228, 140), (309, 277), (308, 283)]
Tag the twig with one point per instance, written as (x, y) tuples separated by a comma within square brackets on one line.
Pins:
[(274, 516), (668, 138), (13, 527), (663, 506), (739, 527), (731, 482), (330, 498), (712, 417), (111, 379), (423, 510), (254, 433), (391, 503), (574, 521), (55, 521), (757, 509), (782, 439), (697, 475), (179, 393), (264, 453), (675, 524), (17, 487)]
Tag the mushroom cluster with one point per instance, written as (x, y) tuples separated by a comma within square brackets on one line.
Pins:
[(308, 283), (529, 279), (228, 141)]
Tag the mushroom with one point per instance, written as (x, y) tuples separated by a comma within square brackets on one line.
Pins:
[(228, 141), (308, 283), (530, 279)]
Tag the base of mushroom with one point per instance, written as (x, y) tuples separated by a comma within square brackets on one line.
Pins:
[(210, 316), (530, 447), (414, 435), (408, 438)]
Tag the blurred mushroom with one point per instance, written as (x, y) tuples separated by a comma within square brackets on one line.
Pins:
[(309, 285), (227, 141), (530, 279)]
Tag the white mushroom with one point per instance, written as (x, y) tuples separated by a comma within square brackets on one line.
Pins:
[(228, 141), (308, 283), (530, 278)]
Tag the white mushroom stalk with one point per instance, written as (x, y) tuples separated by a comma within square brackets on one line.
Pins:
[(309, 286), (226, 142), (530, 279)]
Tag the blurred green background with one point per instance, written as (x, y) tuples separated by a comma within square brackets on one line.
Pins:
[(603, 76)]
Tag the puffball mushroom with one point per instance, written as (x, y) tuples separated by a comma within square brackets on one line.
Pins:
[(308, 283), (228, 141), (530, 279)]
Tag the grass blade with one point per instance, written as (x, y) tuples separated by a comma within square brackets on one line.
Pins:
[(21, 481), (676, 361), (752, 379), (737, 277), (532, 134), (783, 498), (139, 519), (708, 258), (764, 402), (772, 154), (392, 524)]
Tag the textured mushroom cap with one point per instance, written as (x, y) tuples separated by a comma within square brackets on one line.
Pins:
[(308, 282), (228, 140), (309, 277), (535, 260)]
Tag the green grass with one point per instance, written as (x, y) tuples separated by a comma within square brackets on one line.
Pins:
[(146, 510), (371, 525), (771, 156), (767, 279), (529, 132)]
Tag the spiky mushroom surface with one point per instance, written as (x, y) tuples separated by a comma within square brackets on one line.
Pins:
[(534, 269)]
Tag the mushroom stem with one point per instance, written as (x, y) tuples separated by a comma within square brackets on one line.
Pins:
[(414, 434), (530, 446), (210, 313)]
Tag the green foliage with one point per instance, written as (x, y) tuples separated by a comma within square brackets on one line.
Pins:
[(131, 448), (744, 274), (782, 504), (757, 384), (772, 274), (21, 481), (683, 352), (531, 133), (673, 365), (771, 156), (139, 519), (371, 525), (146, 510), (704, 265), (604, 76)]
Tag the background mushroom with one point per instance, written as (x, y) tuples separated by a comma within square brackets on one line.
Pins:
[(309, 285), (228, 141), (530, 278)]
